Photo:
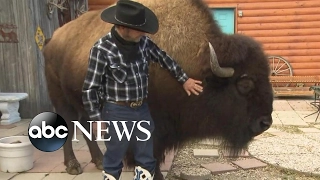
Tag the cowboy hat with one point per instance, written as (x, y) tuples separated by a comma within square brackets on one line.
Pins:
[(133, 15)]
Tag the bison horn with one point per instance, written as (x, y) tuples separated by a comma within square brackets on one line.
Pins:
[(215, 67)]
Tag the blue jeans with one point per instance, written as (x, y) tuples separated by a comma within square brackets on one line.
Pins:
[(116, 149)]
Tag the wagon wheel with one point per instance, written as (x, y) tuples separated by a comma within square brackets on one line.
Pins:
[(280, 67)]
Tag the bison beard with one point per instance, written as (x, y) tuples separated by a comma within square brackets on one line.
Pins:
[(234, 109)]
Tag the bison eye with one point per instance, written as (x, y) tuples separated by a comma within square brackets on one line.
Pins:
[(245, 84)]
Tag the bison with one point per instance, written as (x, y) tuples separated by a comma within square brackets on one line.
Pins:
[(235, 105)]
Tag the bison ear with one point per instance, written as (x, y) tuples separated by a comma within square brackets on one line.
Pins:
[(245, 84)]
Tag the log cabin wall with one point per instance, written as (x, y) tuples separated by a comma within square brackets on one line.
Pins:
[(286, 28)]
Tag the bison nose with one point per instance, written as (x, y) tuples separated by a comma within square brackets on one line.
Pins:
[(261, 124)]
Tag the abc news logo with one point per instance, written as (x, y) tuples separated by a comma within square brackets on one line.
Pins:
[(48, 131)]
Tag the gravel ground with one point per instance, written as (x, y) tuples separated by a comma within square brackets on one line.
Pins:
[(185, 162), (293, 151)]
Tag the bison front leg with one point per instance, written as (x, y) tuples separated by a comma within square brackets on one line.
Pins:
[(69, 114), (159, 155), (158, 175), (64, 108), (94, 149), (73, 167)]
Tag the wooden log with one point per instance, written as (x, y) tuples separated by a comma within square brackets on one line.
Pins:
[(243, 1), (280, 12), (278, 5), (294, 79), (302, 59), (305, 65), (288, 39), (272, 19), (292, 91), (282, 32), (101, 2), (297, 52), (281, 82), (306, 72), (97, 7), (284, 46), (279, 25)]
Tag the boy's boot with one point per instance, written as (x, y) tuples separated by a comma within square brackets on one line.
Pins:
[(107, 176), (142, 174)]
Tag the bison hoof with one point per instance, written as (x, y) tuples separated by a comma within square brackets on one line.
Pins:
[(98, 163), (73, 167), (158, 176)]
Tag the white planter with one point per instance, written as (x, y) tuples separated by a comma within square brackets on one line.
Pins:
[(16, 154)]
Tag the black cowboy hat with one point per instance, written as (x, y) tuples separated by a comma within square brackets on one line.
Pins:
[(133, 15)]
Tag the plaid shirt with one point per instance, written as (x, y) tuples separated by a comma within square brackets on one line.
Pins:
[(112, 78)]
